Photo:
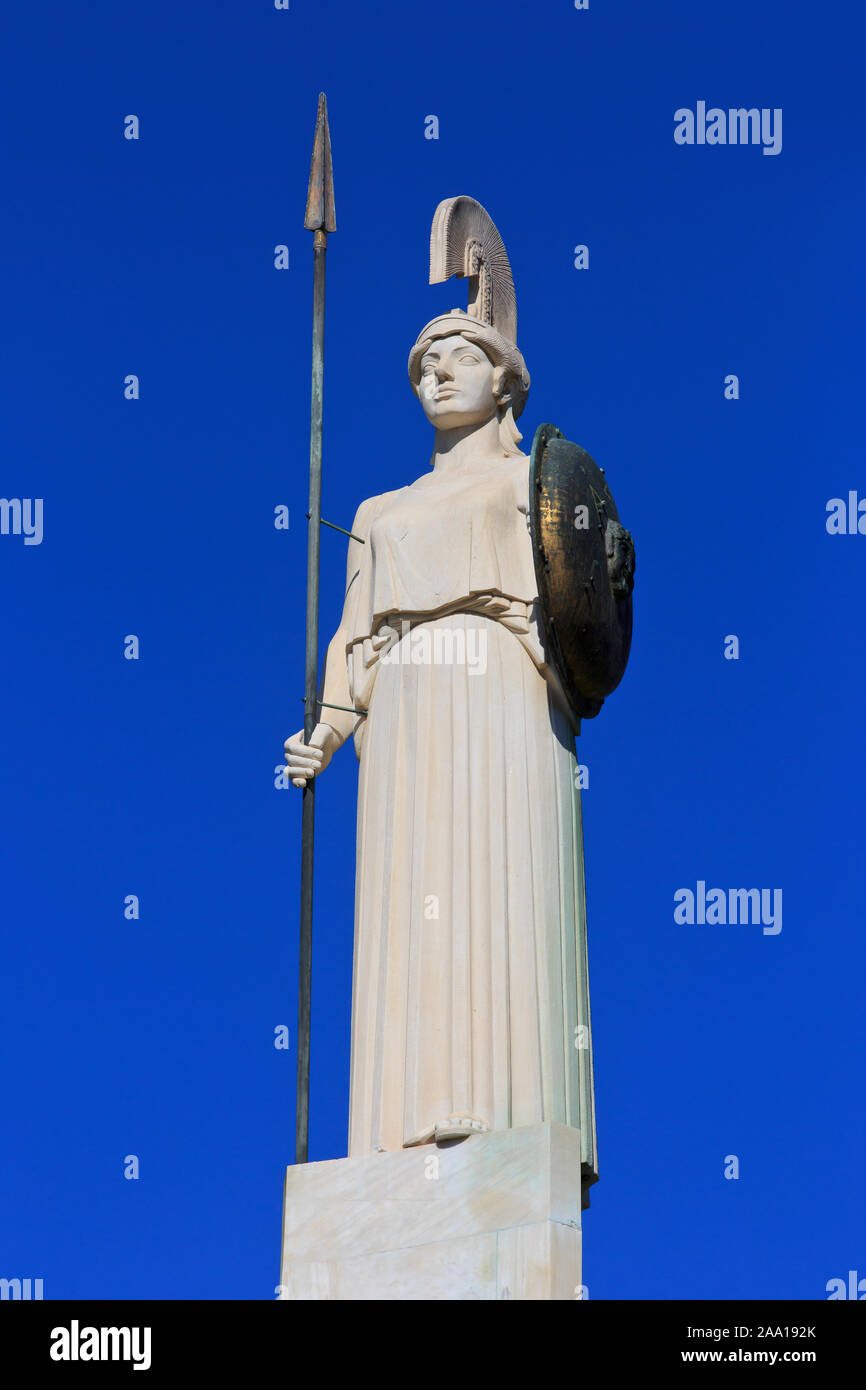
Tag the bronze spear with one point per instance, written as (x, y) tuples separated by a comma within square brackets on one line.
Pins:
[(320, 220)]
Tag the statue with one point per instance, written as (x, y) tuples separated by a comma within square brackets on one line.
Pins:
[(467, 653)]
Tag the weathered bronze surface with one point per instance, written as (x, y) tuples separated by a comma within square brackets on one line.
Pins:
[(584, 564)]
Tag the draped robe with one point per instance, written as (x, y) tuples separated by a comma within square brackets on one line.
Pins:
[(470, 994)]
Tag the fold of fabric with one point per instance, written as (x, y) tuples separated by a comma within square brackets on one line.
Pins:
[(469, 913)]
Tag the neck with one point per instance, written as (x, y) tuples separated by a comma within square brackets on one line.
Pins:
[(467, 443)]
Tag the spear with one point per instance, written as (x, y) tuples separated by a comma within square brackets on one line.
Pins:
[(319, 219)]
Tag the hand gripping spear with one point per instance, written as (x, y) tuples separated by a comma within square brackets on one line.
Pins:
[(319, 220)]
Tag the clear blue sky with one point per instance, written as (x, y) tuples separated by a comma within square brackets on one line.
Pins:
[(155, 1037)]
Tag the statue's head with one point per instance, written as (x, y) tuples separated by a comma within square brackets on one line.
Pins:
[(464, 373)]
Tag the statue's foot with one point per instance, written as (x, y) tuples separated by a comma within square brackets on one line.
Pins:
[(459, 1127)]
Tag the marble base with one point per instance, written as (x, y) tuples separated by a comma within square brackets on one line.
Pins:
[(488, 1217)]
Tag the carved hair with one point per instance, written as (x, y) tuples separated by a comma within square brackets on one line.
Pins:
[(498, 350)]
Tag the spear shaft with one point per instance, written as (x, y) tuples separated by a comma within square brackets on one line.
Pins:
[(320, 220)]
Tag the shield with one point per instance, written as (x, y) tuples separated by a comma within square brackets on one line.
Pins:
[(584, 565)]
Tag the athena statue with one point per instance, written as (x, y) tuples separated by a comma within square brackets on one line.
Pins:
[(470, 1002)]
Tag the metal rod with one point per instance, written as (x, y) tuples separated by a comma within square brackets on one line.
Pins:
[(308, 810), (319, 219), (323, 522), (323, 704)]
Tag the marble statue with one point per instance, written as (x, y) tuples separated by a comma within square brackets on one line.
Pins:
[(469, 945)]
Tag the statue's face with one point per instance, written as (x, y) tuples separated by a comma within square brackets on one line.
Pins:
[(457, 383)]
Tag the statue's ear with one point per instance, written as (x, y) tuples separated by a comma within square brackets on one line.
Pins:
[(502, 387)]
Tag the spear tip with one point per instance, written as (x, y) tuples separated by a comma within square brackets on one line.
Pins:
[(320, 193)]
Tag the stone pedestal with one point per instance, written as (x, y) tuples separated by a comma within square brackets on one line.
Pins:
[(493, 1216)]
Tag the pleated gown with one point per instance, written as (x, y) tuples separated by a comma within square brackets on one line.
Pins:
[(470, 994)]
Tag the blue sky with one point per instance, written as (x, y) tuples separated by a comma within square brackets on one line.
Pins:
[(156, 777)]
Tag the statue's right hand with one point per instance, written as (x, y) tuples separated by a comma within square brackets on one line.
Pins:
[(305, 760)]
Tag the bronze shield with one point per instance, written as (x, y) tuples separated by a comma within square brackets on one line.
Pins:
[(584, 564)]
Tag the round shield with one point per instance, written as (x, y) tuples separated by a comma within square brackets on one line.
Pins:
[(584, 564)]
